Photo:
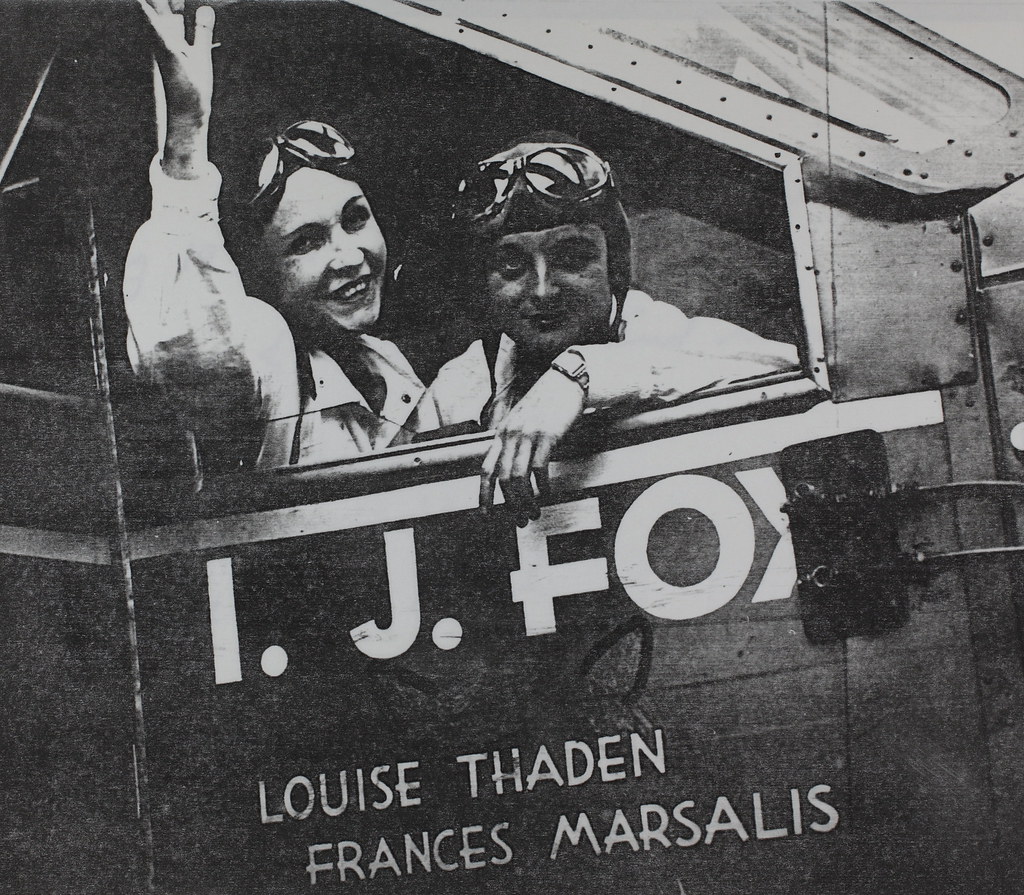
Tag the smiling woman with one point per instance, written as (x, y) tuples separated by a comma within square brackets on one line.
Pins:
[(327, 251), (291, 377)]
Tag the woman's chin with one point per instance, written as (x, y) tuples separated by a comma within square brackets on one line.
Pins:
[(355, 317)]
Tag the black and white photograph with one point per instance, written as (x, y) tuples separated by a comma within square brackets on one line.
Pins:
[(516, 447)]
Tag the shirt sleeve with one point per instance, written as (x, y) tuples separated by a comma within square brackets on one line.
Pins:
[(192, 330), (461, 389), (665, 355)]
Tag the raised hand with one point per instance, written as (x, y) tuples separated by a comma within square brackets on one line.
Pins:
[(186, 70), (524, 441)]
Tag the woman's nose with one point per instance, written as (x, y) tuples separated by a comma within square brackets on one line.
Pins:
[(347, 249), (545, 284)]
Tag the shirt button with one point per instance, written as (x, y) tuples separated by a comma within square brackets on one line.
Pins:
[(406, 399)]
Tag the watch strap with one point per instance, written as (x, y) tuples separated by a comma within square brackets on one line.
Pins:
[(573, 365)]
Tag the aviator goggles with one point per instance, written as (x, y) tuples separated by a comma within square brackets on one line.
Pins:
[(305, 144), (560, 172)]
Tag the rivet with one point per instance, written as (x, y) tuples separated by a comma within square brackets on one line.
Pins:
[(988, 240), (406, 398), (862, 153), (907, 172), (1009, 176), (968, 152), (1013, 133), (956, 266), (924, 175), (1017, 436)]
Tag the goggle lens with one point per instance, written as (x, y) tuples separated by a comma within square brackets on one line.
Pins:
[(559, 172), (306, 144)]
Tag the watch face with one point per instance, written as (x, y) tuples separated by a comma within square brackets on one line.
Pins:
[(580, 369), (572, 364)]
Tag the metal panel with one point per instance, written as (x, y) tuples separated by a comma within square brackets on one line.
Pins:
[(737, 693), (999, 226), (894, 302), (550, 40)]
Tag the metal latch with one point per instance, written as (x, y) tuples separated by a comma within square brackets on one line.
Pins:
[(843, 513), (851, 578)]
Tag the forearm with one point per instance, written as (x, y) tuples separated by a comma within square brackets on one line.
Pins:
[(707, 354), (185, 152), (183, 88)]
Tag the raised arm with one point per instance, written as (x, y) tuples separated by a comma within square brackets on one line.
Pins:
[(186, 72), (222, 357)]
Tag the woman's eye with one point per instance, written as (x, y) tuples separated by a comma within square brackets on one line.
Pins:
[(508, 266), (574, 259), (355, 217), (306, 241)]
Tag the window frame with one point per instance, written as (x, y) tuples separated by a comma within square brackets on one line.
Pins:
[(811, 379)]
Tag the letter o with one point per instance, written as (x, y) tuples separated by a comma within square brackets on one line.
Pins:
[(310, 796), (735, 527)]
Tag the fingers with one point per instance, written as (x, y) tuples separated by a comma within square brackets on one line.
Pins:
[(488, 479), (542, 456), (205, 18), (167, 19), (160, 7), (516, 482), (157, 11), (512, 461), (503, 461), (150, 10)]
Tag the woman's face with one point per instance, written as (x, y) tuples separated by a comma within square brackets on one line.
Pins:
[(326, 252), (549, 289)]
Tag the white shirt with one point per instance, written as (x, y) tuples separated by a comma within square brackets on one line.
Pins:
[(661, 354), (228, 360)]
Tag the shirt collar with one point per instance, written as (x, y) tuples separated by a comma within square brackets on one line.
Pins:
[(334, 388)]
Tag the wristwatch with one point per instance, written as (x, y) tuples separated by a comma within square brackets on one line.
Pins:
[(571, 364)]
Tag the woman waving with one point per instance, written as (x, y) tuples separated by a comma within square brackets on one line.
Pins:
[(290, 375)]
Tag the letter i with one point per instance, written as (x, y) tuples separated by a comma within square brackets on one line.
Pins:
[(798, 824)]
